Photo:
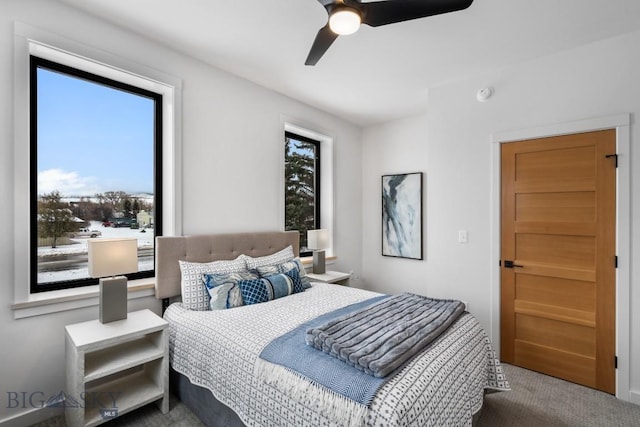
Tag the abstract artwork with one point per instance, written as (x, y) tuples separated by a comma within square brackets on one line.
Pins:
[(402, 215)]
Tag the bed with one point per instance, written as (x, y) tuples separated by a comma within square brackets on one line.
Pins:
[(217, 371)]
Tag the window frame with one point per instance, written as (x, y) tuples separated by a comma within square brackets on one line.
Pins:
[(36, 63), (289, 134), (28, 39)]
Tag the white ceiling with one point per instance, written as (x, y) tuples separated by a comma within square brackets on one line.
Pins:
[(377, 74)]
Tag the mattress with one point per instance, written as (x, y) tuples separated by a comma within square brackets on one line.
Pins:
[(219, 350)]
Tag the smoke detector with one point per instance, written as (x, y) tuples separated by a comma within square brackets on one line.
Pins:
[(484, 94)]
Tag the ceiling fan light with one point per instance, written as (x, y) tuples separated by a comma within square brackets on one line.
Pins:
[(344, 22)]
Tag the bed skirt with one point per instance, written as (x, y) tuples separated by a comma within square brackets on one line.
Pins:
[(210, 410), (202, 403)]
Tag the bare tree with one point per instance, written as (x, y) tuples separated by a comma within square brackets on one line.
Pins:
[(103, 209), (115, 197)]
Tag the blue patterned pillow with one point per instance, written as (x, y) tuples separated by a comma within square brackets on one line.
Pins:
[(222, 291), (294, 274), (283, 268), (269, 288)]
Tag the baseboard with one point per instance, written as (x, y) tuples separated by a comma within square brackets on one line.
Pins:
[(634, 397), (30, 417)]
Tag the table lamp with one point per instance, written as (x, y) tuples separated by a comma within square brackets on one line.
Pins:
[(318, 240), (112, 257)]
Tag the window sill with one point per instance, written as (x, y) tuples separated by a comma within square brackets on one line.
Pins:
[(70, 299)]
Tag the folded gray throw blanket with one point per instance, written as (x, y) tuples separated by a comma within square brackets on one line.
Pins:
[(383, 336)]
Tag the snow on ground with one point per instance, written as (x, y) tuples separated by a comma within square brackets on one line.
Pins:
[(79, 247)]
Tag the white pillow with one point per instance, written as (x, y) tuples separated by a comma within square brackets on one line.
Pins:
[(194, 292), (279, 257)]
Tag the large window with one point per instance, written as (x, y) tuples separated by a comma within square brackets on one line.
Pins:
[(302, 186), (95, 171)]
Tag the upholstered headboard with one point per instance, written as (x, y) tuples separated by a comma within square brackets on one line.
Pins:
[(213, 247)]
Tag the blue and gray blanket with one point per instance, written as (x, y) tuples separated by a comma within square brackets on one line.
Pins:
[(381, 338), (376, 336)]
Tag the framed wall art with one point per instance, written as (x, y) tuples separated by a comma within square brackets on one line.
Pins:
[(402, 215)]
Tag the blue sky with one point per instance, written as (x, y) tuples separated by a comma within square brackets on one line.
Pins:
[(92, 138)]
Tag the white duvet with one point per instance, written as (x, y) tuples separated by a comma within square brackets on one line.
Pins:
[(219, 350)]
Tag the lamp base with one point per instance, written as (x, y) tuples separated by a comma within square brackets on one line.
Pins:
[(113, 299), (319, 266)]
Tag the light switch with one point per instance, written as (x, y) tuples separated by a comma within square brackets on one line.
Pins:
[(463, 236)]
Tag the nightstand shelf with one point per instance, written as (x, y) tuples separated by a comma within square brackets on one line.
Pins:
[(330, 277), (122, 356), (116, 367), (140, 390)]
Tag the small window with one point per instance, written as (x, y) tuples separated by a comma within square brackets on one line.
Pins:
[(95, 172), (302, 186)]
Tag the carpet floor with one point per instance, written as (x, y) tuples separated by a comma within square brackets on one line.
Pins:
[(535, 400), (539, 400)]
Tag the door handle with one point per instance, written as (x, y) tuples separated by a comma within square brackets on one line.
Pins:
[(510, 264)]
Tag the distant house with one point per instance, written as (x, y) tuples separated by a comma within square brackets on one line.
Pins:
[(80, 222), (144, 219)]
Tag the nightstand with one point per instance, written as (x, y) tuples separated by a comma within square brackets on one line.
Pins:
[(116, 367), (330, 277)]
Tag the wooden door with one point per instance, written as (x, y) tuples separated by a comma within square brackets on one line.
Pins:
[(558, 231)]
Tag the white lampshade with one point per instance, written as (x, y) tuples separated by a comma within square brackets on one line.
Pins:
[(318, 239), (344, 21), (112, 257)]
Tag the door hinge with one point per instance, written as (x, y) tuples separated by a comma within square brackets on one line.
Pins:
[(615, 261), (615, 362), (613, 155), (499, 263)]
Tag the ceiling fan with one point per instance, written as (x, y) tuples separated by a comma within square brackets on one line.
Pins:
[(345, 17)]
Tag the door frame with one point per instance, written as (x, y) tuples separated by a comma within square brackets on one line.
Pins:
[(621, 123)]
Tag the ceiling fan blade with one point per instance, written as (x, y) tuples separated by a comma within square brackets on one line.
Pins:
[(389, 12), (324, 39)]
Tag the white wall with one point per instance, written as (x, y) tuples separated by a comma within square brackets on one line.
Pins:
[(451, 144), (232, 154), (453, 172)]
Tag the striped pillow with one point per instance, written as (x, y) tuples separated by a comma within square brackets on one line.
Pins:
[(268, 288)]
